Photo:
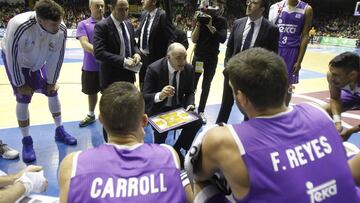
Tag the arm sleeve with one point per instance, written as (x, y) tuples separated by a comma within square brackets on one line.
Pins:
[(56, 58), (230, 45), (274, 32), (80, 31), (14, 41), (221, 30)]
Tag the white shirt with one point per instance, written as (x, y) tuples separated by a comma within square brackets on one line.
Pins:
[(247, 28), (151, 20), (171, 75), (27, 45), (117, 25)]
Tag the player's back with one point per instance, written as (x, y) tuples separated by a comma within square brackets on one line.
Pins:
[(141, 173), (295, 156)]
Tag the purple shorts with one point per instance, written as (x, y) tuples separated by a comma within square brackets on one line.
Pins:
[(290, 56), (36, 80), (350, 101)]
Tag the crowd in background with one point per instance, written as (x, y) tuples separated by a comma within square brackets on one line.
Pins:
[(334, 25), (338, 25)]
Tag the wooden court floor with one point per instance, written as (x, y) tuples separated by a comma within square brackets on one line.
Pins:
[(312, 87), (74, 102)]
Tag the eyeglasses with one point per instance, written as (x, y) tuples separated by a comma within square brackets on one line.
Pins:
[(248, 2)]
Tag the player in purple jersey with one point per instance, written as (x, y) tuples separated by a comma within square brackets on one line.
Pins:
[(90, 70), (294, 19), (344, 86), (279, 147), (33, 53), (125, 169)]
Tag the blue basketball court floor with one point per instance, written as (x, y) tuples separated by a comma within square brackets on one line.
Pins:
[(312, 87)]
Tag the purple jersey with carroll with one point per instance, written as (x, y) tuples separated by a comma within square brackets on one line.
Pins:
[(113, 173)]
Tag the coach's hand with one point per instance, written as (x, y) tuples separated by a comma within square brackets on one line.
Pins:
[(136, 58), (25, 90), (166, 92), (52, 88)]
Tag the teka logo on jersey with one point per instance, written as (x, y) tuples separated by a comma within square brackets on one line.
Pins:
[(287, 29), (321, 192)]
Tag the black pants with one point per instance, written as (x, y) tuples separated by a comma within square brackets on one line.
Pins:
[(185, 139), (146, 62), (209, 72), (227, 103)]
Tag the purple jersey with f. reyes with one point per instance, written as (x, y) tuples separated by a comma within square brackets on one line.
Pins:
[(86, 28), (294, 156), (141, 173), (290, 23)]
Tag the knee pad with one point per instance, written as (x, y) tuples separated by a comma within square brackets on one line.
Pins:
[(22, 111), (54, 104)]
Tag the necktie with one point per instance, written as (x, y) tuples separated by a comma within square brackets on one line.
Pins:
[(144, 42), (174, 84), (249, 36), (126, 40)]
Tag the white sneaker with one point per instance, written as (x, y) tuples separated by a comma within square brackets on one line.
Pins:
[(7, 152)]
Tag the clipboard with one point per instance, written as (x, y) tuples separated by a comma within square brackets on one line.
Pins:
[(171, 119)]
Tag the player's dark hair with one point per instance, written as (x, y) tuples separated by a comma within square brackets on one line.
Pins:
[(49, 10), (347, 61), (121, 108), (259, 74)]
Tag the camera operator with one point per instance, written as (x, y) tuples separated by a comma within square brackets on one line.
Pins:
[(209, 32)]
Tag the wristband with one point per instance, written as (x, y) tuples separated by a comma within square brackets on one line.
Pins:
[(336, 118)]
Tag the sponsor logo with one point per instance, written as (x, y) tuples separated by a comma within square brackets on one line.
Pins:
[(321, 192), (51, 46), (285, 29)]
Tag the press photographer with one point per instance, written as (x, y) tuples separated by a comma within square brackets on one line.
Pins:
[(209, 32)]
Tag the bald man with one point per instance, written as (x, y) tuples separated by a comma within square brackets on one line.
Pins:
[(169, 84)]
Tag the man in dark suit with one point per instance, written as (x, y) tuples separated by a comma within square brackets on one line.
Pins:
[(251, 31), (115, 47), (169, 84), (156, 32)]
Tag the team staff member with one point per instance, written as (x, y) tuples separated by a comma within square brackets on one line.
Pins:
[(90, 71), (250, 31)]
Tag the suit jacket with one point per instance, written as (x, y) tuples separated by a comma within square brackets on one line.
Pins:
[(107, 46), (267, 38), (181, 37), (157, 77), (161, 34)]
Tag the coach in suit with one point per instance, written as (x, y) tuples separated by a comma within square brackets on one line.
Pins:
[(169, 84), (251, 31), (156, 32), (114, 45)]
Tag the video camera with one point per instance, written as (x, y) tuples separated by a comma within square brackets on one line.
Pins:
[(206, 12)]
